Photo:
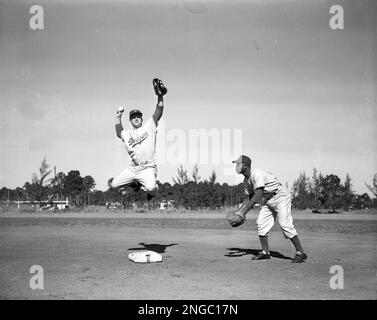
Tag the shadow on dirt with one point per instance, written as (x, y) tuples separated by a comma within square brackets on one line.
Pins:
[(239, 252), (159, 248)]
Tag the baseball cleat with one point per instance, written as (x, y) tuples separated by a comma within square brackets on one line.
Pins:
[(261, 256), (150, 196), (299, 257)]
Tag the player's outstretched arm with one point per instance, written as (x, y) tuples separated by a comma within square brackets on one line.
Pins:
[(159, 110), (160, 90), (118, 123)]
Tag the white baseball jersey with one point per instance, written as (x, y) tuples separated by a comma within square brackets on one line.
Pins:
[(260, 178), (141, 144)]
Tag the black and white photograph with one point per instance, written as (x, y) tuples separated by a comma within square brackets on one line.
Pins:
[(199, 150)]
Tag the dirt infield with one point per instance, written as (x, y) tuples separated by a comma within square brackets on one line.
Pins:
[(85, 257)]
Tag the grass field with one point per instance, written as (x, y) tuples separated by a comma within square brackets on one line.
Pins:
[(84, 256)]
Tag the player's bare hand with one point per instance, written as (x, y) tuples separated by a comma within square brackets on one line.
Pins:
[(119, 112)]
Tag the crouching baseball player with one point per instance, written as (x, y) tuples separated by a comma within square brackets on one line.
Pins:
[(140, 143), (262, 186)]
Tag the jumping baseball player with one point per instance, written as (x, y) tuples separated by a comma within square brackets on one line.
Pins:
[(264, 187), (140, 143)]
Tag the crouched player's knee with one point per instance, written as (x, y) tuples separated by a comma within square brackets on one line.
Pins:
[(288, 231), (262, 230), (115, 183), (261, 225), (150, 187)]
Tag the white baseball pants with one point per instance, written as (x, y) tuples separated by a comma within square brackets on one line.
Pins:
[(278, 207), (146, 176)]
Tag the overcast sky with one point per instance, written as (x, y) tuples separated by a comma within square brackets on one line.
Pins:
[(302, 95)]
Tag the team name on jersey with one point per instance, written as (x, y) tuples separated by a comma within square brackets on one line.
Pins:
[(132, 142)]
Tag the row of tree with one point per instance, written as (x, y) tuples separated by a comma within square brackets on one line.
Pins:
[(327, 192), (41, 188), (189, 191)]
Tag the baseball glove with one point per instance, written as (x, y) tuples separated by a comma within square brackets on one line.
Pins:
[(159, 87), (236, 218)]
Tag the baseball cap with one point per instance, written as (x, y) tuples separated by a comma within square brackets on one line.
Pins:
[(135, 111), (243, 159)]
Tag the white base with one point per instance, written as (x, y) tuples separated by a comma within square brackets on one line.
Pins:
[(145, 256)]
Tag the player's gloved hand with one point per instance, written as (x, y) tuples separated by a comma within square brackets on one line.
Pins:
[(236, 218), (159, 87)]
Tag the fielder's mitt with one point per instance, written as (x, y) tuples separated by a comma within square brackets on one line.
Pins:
[(236, 218), (159, 87)]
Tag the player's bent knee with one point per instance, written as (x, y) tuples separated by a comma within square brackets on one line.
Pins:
[(263, 233), (117, 184), (150, 187), (114, 184), (262, 230), (288, 235), (289, 232), (259, 222)]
